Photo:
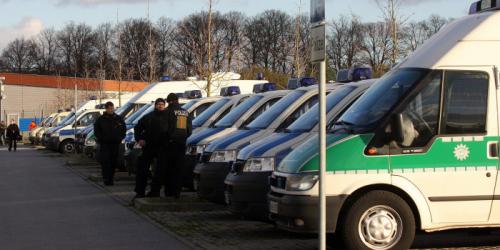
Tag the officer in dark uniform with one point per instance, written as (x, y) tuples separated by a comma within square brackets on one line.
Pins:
[(180, 128), (109, 130), (151, 134)]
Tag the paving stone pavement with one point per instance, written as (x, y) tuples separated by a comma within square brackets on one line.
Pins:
[(216, 228)]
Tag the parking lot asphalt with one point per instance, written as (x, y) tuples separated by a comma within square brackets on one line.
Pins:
[(46, 206)]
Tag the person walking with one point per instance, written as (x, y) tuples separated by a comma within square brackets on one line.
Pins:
[(3, 128), (109, 130), (32, 125), (180, 128), (13, 135), (151, 134)]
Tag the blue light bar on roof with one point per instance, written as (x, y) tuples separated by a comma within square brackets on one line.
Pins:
[(193, 94), (264, 87), (230, 91), (484, 5)]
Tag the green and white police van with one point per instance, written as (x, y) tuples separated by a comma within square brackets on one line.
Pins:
[(418, 151)]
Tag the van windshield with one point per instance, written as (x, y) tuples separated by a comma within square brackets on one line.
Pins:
[(371, 107), (235, 114), (67, 120), (307, 121), (264, 120), (136, 114), (201, 119), (190, 104)]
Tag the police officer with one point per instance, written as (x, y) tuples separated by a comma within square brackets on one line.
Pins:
[(151, 135), (109, 130), (179, 130)]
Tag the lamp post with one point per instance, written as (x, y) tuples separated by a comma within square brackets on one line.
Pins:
[(2, 95)]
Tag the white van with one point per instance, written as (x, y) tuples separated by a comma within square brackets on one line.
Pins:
[(418, 151), (63, 139)]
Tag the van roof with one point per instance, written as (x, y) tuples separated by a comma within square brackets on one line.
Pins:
[(468, 41)]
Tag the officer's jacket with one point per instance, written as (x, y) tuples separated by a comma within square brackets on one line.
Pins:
[(152, 128), (13, 131), (110, 129), (180, 126)]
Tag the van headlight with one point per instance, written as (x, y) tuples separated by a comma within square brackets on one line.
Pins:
[(195, 149), (223, 156), (90, 142), (301, 182), (259, 165), (200, 149)]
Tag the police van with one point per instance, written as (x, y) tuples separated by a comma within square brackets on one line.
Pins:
[(418, 151), (63, 139), (223, 150), (247, 184), (215, 112), (52, 126), (239, 117)]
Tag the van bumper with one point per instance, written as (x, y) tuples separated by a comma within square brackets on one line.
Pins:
[(246, 193), (210, 177), (300, 213)]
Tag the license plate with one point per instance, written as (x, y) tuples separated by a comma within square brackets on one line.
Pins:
[(273, 207)]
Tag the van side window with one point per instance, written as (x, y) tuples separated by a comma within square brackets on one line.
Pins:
[(89, 119), (299, 112), (259, 111), (465, 102), (228, 109), (200, 109), (421, 115)]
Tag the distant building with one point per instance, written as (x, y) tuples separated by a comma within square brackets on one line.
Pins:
[(34, 96)]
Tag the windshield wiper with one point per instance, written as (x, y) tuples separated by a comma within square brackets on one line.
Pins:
[(344, 123)]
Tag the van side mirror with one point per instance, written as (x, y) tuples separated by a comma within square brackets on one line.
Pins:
[(397, 128)]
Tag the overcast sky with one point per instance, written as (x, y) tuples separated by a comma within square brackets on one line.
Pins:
[(28, 17)]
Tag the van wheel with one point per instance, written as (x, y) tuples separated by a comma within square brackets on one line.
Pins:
[(378, 220), (67, 147)]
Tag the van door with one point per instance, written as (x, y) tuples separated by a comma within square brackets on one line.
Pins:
[(449, 151)]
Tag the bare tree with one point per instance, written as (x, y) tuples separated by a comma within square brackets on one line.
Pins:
[(65, 40), (18, 55), (83, 43), (377, 46), (345, 42), (46, 51), (164, 49), (270, 41), (233, 24), (391, 10), (104, 35), (134, 41)]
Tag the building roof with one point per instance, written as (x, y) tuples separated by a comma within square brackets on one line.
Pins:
[(69, 82)]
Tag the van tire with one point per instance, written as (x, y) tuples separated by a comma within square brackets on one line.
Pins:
[(382, 212), (67, 147)]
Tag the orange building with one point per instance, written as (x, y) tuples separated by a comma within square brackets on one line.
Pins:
[(29, 95)]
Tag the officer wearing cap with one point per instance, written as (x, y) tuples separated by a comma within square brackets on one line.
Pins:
[(180, 128), (151, 133)]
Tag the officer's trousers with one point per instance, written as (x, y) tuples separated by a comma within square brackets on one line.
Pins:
[(149, 154), (175, 163), (108, 154)]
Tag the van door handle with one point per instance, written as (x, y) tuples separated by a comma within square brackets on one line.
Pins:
[(493, 149)]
